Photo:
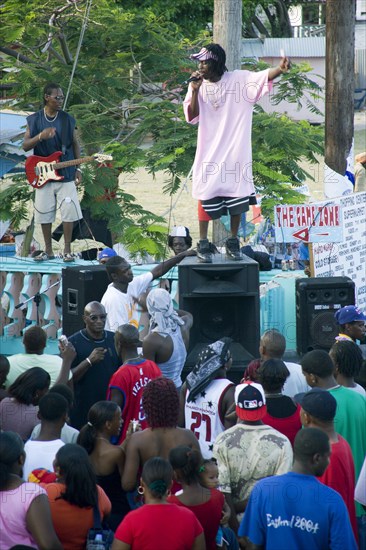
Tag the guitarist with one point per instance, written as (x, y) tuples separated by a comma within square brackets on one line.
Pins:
[(49, 130)]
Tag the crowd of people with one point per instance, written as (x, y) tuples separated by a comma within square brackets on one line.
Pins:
[(275, 461), (107, 437)]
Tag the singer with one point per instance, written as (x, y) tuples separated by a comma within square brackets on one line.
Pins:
[(222, 102)]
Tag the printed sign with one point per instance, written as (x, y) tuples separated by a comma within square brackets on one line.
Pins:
[(348, 257), (310, 223)]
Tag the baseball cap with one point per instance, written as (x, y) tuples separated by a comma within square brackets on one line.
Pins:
[(106, 253), (179, 231), (319, 403), (203, 55), (348, 314), (250, 401)]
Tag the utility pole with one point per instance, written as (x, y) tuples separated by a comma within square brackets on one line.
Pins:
[(339, 84), (227, 31)]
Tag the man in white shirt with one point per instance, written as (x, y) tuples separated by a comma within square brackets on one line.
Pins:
[(121, 297)]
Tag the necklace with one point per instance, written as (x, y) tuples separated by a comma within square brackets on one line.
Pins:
[(50, 119), (214, 94)]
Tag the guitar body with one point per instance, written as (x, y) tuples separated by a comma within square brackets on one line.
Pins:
[(40, 170)]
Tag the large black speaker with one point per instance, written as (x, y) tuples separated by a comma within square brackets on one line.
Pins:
[(80, 285), (317, 300), (223, 298)]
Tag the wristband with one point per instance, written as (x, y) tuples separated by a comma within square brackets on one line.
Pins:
[(88, 361)]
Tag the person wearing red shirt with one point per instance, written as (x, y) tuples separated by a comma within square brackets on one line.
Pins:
[(127, 383), (283, 413), (159, 525)]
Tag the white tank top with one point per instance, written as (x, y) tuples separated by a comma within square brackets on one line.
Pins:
[(173, 367), (202, 415)]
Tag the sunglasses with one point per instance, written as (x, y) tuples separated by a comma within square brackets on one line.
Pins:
[(102, 317), (57, 97)]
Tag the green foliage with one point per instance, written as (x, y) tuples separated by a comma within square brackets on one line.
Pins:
[(127, 100), (14, 201)]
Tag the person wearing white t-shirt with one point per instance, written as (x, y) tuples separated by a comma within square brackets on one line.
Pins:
[(121, 297), (41, 452)]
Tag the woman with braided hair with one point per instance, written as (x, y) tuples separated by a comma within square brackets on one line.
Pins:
[(159, 525), (160, 402)]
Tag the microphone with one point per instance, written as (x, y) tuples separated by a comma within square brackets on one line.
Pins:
[(191, 79)]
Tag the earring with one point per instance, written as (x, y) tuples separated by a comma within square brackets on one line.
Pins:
[(140, 490)]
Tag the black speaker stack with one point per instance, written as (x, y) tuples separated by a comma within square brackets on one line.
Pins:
[(317, 300), (80, 285), (223, 298)]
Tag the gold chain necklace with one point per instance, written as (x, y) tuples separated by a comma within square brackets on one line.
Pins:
[(49, 119)]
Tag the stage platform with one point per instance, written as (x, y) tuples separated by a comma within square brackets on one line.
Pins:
[(21, 278)]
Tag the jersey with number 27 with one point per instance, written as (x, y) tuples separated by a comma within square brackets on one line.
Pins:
[(203, 414)]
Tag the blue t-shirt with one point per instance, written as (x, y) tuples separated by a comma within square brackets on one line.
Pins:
[(37, 122), (296, 512), (93, 386)]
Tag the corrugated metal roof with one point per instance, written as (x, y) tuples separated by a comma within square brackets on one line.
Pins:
[(293, 47)]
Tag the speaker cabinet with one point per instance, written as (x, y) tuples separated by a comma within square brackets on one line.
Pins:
[(80, 285), (317, 300), (223, 298)]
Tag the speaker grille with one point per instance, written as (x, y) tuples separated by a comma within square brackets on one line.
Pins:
[(323, 329), (317, 300)]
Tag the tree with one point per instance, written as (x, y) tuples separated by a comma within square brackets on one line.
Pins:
[(126, 87), (41, 43)]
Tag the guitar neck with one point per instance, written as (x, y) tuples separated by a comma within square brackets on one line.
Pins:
[(74, 162)]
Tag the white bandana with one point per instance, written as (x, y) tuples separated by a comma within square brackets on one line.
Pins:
[(163, 317)]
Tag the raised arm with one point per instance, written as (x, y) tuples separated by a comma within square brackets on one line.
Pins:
[(164, 267), (283, 67), (68, 354)]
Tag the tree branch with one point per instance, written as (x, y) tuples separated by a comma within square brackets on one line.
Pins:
[(18, 56), (55, 54), (259, 25), (65, 48)]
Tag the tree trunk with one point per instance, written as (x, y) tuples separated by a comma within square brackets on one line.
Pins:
[(227, 26), (227, 31), (339, 108)]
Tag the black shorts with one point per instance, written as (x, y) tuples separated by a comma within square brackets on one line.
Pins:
[(220, 206)]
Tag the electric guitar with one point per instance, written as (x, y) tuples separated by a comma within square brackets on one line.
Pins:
[(40, 170)]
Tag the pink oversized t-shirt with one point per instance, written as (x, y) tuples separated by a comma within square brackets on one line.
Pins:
[(223, 162)]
